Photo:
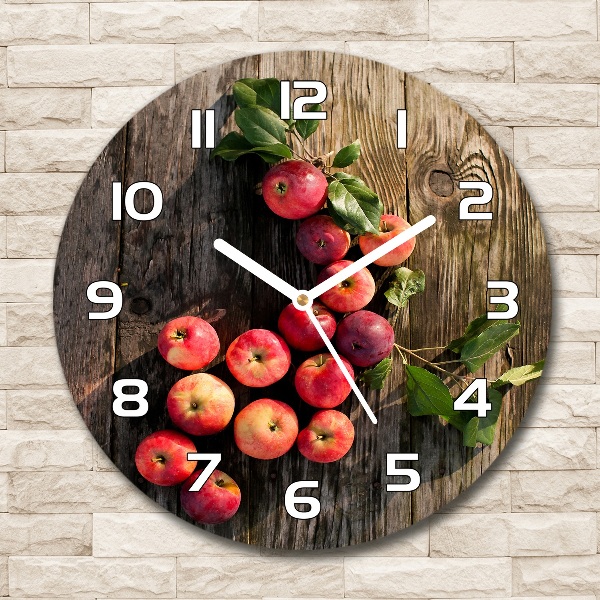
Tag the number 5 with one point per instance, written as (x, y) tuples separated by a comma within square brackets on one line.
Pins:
[(412, 474)]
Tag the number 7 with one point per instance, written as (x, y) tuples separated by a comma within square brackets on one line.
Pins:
[(213, 461)]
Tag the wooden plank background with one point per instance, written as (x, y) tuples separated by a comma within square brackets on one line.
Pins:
[(167, 267)]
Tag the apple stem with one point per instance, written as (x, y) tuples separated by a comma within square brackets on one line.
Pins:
[(273, 426), (160, 459)]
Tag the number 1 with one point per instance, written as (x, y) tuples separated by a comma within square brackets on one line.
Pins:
[(401, 129)]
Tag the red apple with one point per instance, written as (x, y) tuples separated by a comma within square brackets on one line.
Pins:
[(321, 241), (320, 382), (294, 189), (364, 338), (296, 327), (161, 457), (188, 343), (215, 502), (200, 404), (265, 428), (258, 358), (353, 293), (389, 226), (327, 438)]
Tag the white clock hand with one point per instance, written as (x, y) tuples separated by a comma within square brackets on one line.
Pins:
[(258, 270), (372, 256), (340, 364)]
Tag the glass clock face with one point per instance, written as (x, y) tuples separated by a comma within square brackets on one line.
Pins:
[(138, 251)]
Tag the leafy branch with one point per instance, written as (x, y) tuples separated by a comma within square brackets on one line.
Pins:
[(351, 203), (428, 395)]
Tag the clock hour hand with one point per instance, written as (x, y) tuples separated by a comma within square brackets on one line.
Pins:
[(257, 270), (371, 257), (341, 365)]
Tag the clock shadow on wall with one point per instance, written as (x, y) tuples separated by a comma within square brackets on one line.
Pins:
[(168, 267)]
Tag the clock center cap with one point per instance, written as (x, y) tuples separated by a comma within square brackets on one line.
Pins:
[(303, 301)]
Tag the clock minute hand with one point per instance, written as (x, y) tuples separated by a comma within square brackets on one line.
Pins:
[(257, 270), (371, 257), (341, 365)]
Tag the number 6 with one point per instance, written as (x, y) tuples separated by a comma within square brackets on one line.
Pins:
[(291, 500)]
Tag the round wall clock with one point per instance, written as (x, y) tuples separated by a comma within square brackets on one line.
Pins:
[(469, 309)]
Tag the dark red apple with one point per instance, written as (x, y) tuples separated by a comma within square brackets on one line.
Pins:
[(161, 457), (353, 293), (215, 502), (321, 241), (364, 338), (327, 438), (296, 327), (294, 189), (188, 343), (320, 382)]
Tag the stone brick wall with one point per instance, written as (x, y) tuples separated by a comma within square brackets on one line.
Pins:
[(73, 72)]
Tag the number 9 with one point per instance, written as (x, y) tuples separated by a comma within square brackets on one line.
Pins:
[(116, 299)]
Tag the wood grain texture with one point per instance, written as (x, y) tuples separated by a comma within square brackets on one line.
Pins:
[(167, 267)]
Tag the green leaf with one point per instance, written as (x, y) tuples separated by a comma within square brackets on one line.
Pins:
[(347, 155), (234, 145), (258, 92), (470, 432), (375, 377), (306, 127), (479, 429), (406, 283), (479, 349), (352, 205), (483, 429), (261, 126), (427, 394), (487, 425), (520, 375), (475, 327)]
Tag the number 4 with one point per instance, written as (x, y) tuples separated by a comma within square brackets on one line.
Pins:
[(482, 406)]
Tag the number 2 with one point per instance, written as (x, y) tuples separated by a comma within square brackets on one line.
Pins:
[(464, 214)]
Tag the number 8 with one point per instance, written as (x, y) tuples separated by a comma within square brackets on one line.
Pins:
[(139, 397)]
